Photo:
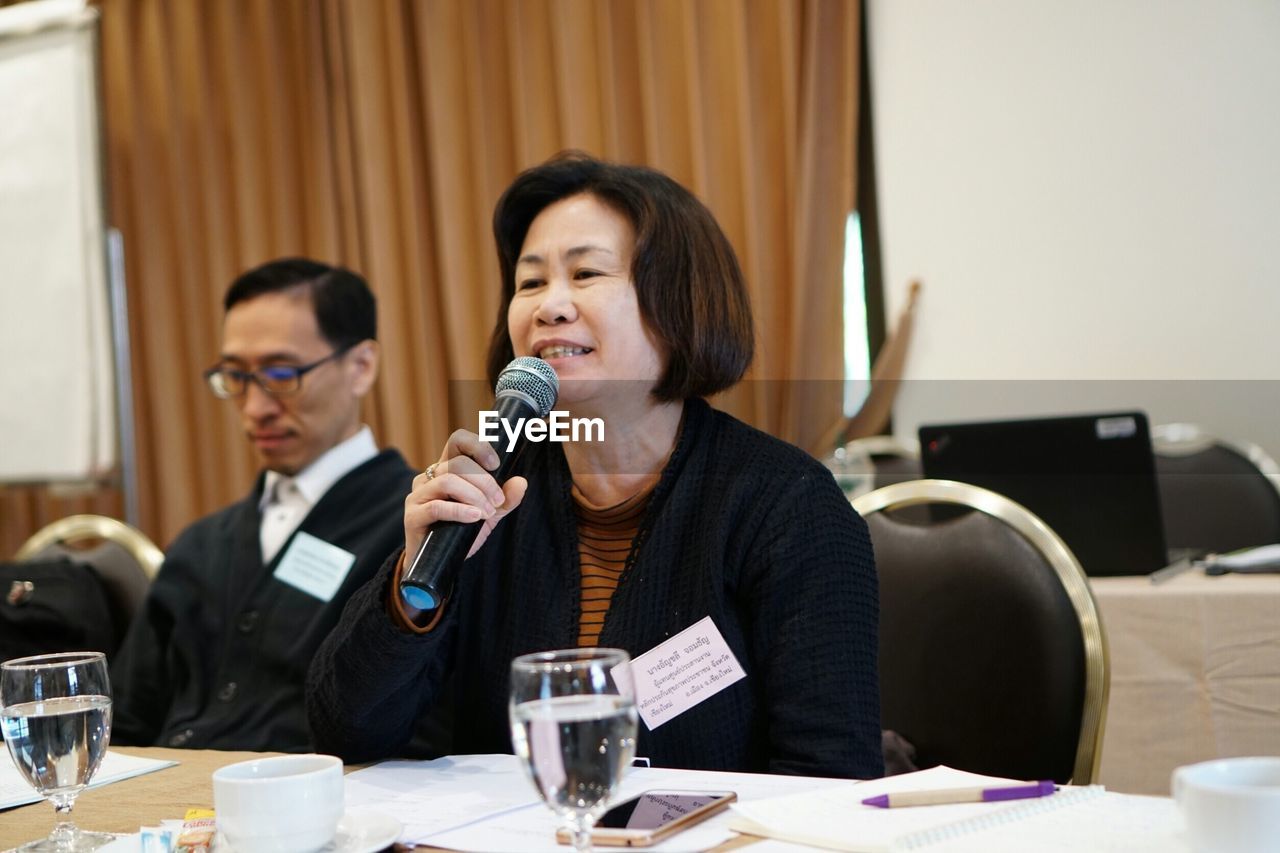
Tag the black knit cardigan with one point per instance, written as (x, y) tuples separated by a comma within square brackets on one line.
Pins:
[(741, 527), (217, 656)]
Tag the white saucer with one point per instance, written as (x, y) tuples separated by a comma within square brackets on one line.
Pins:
[(364, 832), (358, 832)]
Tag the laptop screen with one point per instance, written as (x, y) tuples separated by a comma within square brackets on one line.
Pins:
[(1089, 477)]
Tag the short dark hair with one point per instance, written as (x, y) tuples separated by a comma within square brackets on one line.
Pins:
[(345, 308), (687, 279)]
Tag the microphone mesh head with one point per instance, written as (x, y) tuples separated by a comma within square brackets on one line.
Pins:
[(533, 378)]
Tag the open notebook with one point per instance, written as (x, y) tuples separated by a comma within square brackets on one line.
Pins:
[(1073, 819)]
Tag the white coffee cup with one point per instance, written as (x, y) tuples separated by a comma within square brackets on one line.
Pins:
[(1231, 805), (284, 804)]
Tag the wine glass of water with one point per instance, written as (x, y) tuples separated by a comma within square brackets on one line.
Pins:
[(573, 724), (55, 711)]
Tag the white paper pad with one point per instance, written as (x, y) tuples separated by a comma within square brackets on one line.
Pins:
[(429, 797), (15, 790), (1114, 823), (1073, 819)]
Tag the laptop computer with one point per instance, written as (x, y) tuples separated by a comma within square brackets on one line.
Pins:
[(1089, 477)]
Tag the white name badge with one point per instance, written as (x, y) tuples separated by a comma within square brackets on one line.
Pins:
[(691, 667), (314, 566)]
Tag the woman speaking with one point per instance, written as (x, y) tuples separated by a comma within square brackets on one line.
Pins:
[(624, 283)]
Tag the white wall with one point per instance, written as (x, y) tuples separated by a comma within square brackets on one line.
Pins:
[(1090, 191)]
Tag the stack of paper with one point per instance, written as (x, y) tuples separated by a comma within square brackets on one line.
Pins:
[(485, 803), (15, 790)]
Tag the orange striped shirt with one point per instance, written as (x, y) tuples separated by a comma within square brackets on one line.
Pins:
[(604, 541)]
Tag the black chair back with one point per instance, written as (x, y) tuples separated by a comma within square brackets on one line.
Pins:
[(988, 661), (1214, 495)]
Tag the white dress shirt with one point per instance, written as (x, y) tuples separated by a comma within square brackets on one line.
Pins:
[(287, 500)]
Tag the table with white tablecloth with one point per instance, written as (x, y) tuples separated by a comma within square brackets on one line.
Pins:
[(1195, 673)]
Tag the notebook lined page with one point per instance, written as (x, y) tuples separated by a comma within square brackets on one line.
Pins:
[(836, 819), (1110, 823), (1017, 812)]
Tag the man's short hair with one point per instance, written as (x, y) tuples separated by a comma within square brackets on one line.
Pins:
[(345, 308), (688, 283)]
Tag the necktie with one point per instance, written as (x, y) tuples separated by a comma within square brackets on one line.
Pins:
[(281, 517)]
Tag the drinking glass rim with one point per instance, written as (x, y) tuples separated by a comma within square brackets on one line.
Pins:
[(53, 659), (566, 659)]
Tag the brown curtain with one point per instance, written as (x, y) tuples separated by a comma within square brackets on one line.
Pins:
[(378, 134)]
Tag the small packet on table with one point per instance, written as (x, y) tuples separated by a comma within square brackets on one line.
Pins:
[(198, 830)]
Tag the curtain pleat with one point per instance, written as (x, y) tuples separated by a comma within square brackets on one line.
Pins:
[(825, 188), (378, 134)]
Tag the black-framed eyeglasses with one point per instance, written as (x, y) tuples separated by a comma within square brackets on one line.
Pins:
[(278, 380)]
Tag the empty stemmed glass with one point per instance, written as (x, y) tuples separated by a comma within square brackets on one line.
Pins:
[(573, 725), (56, 714)]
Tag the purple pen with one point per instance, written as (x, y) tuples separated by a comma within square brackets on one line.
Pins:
[(962, 795)]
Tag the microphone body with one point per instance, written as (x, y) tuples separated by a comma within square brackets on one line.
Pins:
[(525, 390)]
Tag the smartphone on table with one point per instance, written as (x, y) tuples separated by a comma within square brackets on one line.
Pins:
[(649, 818)]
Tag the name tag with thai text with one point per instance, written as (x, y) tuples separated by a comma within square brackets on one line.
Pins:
[(687, 669)]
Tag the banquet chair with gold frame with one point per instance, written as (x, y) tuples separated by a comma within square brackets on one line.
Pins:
[(992, 654), (123, 557), (1215, 495)]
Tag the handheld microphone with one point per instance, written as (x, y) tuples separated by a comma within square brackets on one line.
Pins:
[(526, 388)]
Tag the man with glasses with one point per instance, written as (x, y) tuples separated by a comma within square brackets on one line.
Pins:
[(217, 657)]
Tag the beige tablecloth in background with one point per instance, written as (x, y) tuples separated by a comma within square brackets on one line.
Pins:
[(1195, 674)]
